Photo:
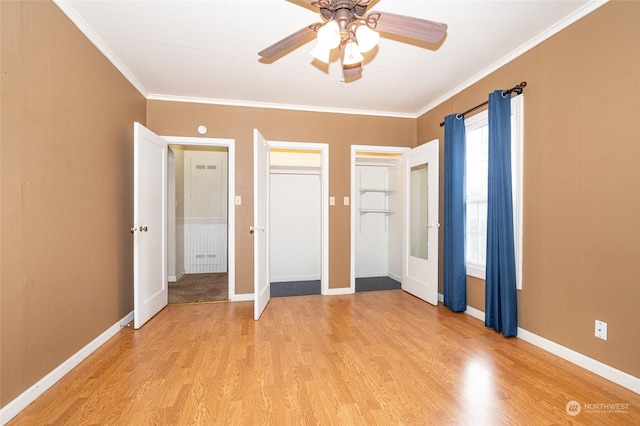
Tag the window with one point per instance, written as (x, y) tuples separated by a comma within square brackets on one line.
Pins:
[(477, 129)]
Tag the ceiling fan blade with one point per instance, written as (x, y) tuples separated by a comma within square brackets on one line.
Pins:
[(300, 37), (415, 28)]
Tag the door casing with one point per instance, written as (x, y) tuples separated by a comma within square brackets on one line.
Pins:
[(231, 206)]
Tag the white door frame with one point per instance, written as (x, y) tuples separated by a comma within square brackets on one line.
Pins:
[(324, 171), (231, 192), (355, 149)]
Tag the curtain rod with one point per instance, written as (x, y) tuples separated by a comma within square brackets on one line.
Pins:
[(517, 89)]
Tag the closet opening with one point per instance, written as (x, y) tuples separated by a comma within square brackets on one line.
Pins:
[(295, 222), (376, 218)]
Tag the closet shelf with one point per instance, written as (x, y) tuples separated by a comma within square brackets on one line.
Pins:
[(383, 191), (365, 211)]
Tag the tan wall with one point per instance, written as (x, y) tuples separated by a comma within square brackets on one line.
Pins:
[(581, 183), (66, 183), (338, 130)]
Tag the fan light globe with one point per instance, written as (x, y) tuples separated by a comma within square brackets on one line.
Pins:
[(352, 54), (329, 35), (321, 53), (367, 38)]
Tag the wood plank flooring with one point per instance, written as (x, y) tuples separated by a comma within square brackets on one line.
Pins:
[(369, 358)]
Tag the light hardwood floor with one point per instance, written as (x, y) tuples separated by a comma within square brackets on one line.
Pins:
[(369, 358)]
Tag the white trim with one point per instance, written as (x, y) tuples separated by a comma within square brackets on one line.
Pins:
[(476, 270), (476, 313), (603, 370), (552, 30), (339, 291), (173, 279), (243, 297), (14, 407), (395, 276), (86, 29), (517, 168), (230, 144), (293, 107), (324, 170)]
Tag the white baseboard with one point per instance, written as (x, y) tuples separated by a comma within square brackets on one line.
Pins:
[(175, 278), (245, 297), (620, 377), (10, 410), (603, 370), (395, 276), (371, 274), (475, 313), (469, 311)]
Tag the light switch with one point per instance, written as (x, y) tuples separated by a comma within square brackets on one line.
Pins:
[(238, 200), (346, 201), (332, 201)]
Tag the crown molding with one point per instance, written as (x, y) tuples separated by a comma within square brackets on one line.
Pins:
[(552, 30), (229, 102), (85, 29)]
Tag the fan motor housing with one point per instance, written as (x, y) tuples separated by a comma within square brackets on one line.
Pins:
[(328, 11)]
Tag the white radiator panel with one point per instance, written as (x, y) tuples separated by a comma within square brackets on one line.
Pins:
[(205, 245)]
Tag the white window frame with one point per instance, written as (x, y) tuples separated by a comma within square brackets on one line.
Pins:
[(517, 147)]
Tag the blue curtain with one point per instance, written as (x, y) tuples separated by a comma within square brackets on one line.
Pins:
[(501, 311), (454, 268)]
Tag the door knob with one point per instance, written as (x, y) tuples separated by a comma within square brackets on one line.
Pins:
[(145, 229), (133, 229), (253, 229), (433, 225)]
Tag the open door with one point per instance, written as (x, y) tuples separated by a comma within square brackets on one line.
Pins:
[(420, 239), (260, 228), (150, 289)]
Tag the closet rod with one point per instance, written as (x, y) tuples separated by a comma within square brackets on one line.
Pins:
[(517, 89)]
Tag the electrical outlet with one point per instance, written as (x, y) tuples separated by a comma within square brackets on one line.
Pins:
[(601, 330)]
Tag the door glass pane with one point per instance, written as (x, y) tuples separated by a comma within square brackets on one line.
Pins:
[(418, 212)]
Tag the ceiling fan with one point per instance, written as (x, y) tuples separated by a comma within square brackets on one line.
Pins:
[(347, 25)]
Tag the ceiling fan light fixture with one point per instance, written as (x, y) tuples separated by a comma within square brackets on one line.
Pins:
[(321, 53), (329, 35), (352, 53), (367, 38)]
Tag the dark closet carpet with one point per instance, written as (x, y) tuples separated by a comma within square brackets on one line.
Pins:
[(376, 283), (192, 288), (295, 288)]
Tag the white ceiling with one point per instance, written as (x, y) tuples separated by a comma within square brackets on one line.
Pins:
[(207, 51)]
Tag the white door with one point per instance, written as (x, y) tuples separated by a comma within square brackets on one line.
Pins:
[(150, 292), (260, 230), (420, 239)]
